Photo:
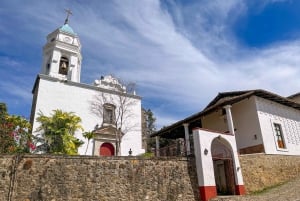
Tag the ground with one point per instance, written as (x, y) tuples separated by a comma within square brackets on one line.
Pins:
[(287, 192)]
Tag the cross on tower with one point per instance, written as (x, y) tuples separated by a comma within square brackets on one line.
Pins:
[(69, 12)]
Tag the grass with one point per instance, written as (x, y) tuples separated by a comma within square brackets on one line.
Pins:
[(264, 190), (147, 155)]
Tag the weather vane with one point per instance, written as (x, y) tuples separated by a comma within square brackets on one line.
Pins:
[(69, 12)]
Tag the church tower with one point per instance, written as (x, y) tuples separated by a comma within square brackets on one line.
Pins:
[(58, 87), (61, 54)]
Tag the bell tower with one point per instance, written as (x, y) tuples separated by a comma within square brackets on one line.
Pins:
[(62, 53)]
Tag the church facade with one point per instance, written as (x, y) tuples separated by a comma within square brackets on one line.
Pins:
[(106, 107)]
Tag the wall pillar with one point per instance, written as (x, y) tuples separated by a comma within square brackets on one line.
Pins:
[(229, 119), (157, 145), (207, 192), (204, 164), (240, 190), (187, 139)]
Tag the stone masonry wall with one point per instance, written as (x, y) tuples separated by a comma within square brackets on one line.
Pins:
[(261, 170), (5, 175), (55, 178)]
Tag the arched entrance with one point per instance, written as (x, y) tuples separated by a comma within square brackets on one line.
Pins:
[(107, 149), (223, 166)]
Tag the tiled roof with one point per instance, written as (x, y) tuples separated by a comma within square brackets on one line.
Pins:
[(229, 98)]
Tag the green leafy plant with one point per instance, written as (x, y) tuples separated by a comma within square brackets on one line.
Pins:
[(88, 136), (57, 133)]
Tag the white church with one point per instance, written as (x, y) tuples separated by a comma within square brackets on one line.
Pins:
[(58, 86)]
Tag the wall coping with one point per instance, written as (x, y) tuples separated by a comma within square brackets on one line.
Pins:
[(275, 155), (112, 158)]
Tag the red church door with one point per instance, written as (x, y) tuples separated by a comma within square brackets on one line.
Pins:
[(107, 149)]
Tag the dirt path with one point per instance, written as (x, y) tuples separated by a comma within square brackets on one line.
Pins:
[(287, 192)]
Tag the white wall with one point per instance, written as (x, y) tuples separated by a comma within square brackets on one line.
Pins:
[(204, 163), (54, 94), (270, 112), (214, 121), (245, 122)]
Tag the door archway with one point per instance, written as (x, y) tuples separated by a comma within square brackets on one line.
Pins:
[(223, 166), (106, 149)]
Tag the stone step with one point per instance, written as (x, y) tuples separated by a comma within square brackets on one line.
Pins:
[(228, 198)]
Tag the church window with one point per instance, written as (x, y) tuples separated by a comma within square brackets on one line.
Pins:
[(63, 66), (109, 113), (279, 136)]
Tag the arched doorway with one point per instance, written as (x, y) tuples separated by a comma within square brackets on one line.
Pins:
[(107, 149), (223, 166)]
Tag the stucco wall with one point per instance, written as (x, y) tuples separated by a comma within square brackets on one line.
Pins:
[(261, 170), (214, 121), (296, 98), (245, 121), (289, 119), (203, 140), (45, 177), (72, 97)]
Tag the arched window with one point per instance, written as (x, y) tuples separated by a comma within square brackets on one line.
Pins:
[(109, 116), (63, 66)]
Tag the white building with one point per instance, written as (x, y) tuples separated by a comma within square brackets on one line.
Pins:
[(240, 122), (263, 122), (58, 87)]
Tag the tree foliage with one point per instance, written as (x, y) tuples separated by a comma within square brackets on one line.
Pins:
[(150, 122), (149, 128), (57, 133), (88, 135), (15, 133)]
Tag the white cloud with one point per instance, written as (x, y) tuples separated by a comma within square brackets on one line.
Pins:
[(180, 55), (185, 64)]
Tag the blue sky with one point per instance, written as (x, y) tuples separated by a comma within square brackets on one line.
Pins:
[(181, 53)]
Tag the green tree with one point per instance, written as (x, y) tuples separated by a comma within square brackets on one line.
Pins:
[(57, 133), (15, 133), (88, 135), (149, 128), (150, 120)]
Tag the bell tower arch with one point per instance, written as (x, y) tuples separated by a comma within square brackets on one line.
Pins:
[(62, 53)]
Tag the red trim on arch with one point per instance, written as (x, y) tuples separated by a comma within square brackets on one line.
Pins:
[(207, 192), (240, 189)]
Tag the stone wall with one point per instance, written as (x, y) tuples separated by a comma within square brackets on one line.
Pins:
[(47, 177), (261, 171), (5, 177)]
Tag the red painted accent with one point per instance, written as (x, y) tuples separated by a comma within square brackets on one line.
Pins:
[(207, 192), (240, 189), (107, 149)]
